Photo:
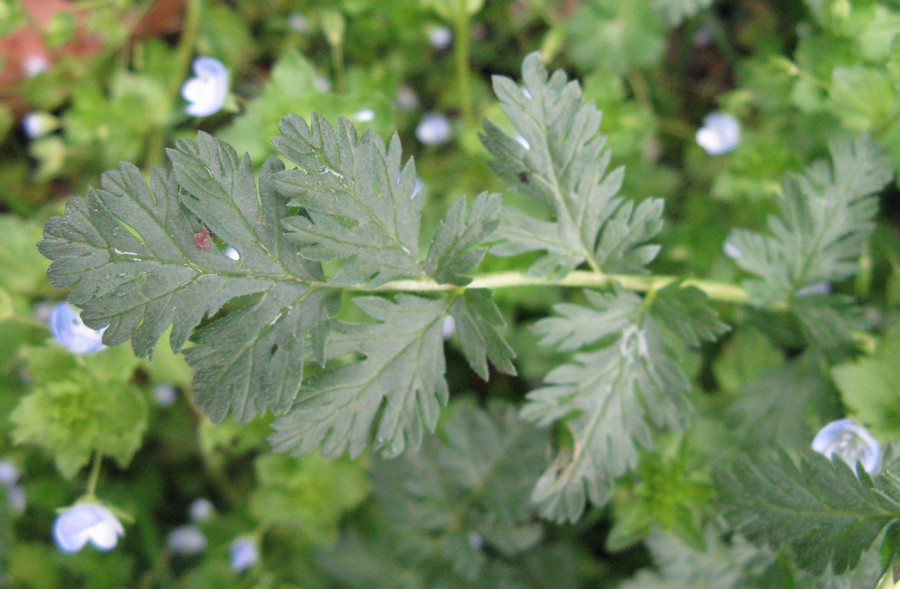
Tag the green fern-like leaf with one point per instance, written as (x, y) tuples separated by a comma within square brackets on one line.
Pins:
[(819, 509), (398, 386), (561, 163), (608, 396), (359, 201), (826, 214), (143, 256), (468, 487)]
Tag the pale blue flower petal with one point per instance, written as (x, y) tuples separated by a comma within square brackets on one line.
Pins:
[(68, 329), (440, 37), (850, 442), (243, 554), (207, 90), (87, 522), (186, 540), (434, 129), (9, 473), (720, 133), (201, 509)]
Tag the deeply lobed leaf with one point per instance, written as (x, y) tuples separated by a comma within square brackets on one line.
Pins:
[(609, 397), (819, 509), (389, 395), (826, 214), (359, 203), (559, 161)]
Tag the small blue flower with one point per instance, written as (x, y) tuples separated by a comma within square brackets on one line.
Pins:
[(850, 442), (207, 90), (164, 395), (243, 554), (9, 473), (186, 540), (720, 133), (38, 124), (68, 329), (87, 522), (201, 509), (406, 99), (434, 129), (440, 37)]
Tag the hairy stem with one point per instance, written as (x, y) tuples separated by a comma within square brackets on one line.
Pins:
[(717, 291), (95, 475)]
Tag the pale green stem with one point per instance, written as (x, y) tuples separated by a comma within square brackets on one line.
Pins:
[(461, 55), (717, 291), (95, 475), (182, 69), (337, 59)]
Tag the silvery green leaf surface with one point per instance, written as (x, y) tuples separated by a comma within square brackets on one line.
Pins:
[(459, 242), (685, 310), (359, 201), (560, 161), (477, 321), (825, 216), (141, 256), (817, 510), (391, 396), (609, 397)]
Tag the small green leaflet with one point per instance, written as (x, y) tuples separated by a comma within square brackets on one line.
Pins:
[(389, 394), (459, 242), (826, 214), (564, 167), (477, 320), (360, 203), (818, 510), (610, 395), (685, 311)]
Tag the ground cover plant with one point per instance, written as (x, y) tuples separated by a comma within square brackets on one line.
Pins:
[(450, 294)]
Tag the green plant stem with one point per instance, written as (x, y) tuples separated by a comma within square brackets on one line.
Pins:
[(717, 291), (95, 475), (461, 55), (192, 11), (337, 59)]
